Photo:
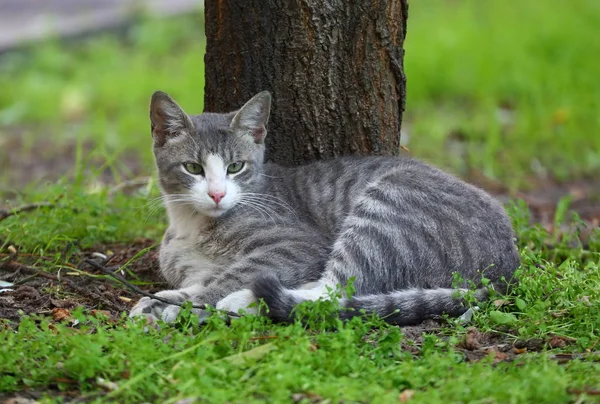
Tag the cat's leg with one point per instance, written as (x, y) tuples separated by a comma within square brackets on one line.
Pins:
[(228, 291), (156, 309), (243, 299), (198, 295), (294, 255), (239, 300)]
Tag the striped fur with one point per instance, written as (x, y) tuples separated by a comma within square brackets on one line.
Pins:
[(398, 226)]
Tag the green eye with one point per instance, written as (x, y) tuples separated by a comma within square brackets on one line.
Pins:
[(235, 167), (194, 168)]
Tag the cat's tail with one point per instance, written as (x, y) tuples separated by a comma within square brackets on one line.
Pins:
[(402, 307)]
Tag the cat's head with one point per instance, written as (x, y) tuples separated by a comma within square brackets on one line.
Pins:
[(209, 161)]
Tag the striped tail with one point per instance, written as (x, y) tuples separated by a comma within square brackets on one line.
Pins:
[(402, 307)]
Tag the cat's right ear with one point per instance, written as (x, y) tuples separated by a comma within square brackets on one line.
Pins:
[(167, 118)]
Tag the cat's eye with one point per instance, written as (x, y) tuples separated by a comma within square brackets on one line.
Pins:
[(235, 167), (194, 168)]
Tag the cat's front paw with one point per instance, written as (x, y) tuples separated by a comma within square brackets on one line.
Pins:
[(155, 309)]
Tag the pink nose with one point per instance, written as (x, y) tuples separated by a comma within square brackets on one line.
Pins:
[(216, 195)]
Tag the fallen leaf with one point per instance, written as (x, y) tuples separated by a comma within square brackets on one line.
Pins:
[(66, 380), (100, 313), (60, 314), (500, 302), (556, 341), (519, 351), (471, 341), (499, 356), (406, 395)]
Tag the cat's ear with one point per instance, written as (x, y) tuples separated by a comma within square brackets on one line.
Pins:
[(167, 118), (253, 116)]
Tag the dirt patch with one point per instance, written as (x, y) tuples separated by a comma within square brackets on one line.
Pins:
[(476, 345), (37, 291)]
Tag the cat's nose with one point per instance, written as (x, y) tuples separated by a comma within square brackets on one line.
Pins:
[(216, 195)]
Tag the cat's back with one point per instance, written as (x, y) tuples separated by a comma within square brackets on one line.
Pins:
[(327, 190), (323, 180)]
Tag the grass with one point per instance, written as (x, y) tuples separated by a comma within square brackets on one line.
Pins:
[(464, 60), (100, 89), (252, 360)]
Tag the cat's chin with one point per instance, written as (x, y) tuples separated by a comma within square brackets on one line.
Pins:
[(214, 212)]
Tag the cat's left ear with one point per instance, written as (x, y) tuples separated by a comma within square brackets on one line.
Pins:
[(252, 118)]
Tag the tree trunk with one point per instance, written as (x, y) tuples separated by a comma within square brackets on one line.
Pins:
[(334, 67)]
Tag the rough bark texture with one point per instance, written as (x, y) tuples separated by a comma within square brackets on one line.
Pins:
[(334, 67)]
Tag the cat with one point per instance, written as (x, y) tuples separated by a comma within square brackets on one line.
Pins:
[(241, 229)]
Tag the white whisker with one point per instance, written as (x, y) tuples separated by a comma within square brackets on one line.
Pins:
[(266, 199)]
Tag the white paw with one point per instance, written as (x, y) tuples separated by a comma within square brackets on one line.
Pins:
[(156, 309), (238, 300)]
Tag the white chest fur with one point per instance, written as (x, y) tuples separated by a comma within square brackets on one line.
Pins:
[(182, 261)]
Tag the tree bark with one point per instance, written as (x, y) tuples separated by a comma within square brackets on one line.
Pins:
[(334, 67)]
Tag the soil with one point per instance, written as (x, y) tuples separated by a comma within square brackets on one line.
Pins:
[(45, 293)]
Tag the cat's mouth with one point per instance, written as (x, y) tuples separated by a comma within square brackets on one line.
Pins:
[(216, 211)]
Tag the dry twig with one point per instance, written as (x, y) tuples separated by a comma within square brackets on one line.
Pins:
[(588, 392), (4, 213)]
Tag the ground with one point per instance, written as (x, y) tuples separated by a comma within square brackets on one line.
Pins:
[(493, 97)]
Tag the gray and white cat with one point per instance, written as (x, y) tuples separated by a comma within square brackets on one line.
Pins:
[(241, 230)]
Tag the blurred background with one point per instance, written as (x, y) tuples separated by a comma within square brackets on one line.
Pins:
[(504, 94)]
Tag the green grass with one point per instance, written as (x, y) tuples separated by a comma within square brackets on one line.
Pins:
[(252, 360), (463, 60), (99, 89)]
